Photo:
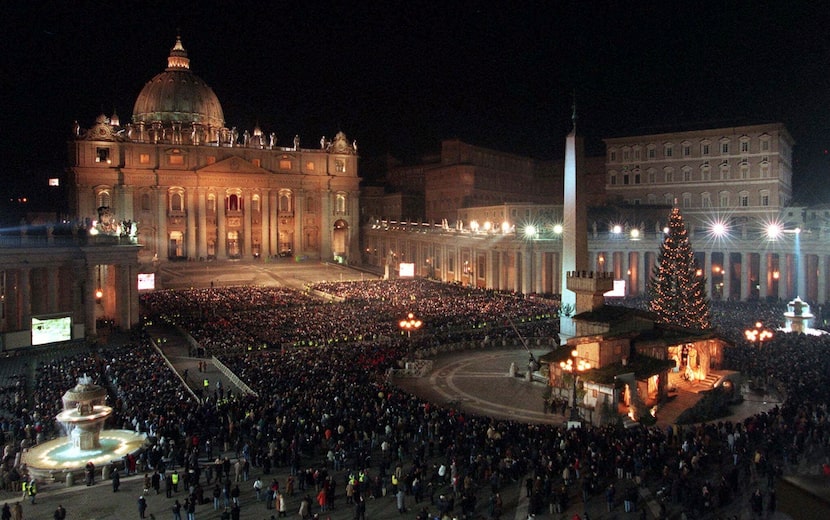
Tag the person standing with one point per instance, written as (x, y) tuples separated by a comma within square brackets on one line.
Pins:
[(17, 511), (116, 481), (32, 490), (60, 513), (177, 510), (142, 506), (7, 512)]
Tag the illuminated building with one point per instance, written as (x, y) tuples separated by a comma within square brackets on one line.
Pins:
[(197, 190)]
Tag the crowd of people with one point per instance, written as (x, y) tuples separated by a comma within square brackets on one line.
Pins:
[(326, 413)]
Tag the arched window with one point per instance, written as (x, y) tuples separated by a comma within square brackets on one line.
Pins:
[(211, 203), (285, 200), (104, 199), (176, 201), (255, 207), (145, 202), (233, 202), (340, 204)]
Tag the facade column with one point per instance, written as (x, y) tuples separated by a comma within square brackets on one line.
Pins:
[(222, 232), (783, 277), (163, 241), (52, 288), (326, 227), (89, 302), (727, 276), (273, 217), (265, 223), (26, 298), (821, 293), (299, 204), (247, 222), (190, 207), (744, 292), (763, 275), (201, 243)]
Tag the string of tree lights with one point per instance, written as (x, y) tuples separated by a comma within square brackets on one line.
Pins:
[(677, 291)]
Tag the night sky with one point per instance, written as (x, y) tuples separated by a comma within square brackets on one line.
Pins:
[(401, 76)]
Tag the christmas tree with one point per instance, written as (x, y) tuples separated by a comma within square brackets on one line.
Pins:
[(677, 293)]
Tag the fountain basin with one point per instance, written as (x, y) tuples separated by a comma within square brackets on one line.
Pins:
[(52, 460)]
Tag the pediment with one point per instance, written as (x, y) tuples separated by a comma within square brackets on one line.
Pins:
[(232, 165)]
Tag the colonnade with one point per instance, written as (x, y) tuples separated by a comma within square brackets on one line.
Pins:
[(740, 270)]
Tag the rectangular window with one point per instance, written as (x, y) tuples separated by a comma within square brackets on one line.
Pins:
[(667, 151), (144, 158), (625, 179), (687, 176), (636, 178), (309, 166), (626, 155), (176, 159), (704, 200), (285, 164), (744, 146), (613, 157), (744, 201), (765, 145), (637, 154), (652, 153), (652, 177), (613, 180), (765, 200), (687, 151), (724, 148), (724, 200), (102, 155), (687, 201), (704, 149)]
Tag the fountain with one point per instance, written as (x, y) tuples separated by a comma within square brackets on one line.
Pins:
[(798, 318), (83, 418)]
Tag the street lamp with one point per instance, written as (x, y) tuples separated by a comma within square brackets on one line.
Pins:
[(574, 365), (409, 324), (758, 335)]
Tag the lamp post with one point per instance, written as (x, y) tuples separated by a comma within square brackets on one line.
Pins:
[(574, 365), (409, 324), (758, 335)]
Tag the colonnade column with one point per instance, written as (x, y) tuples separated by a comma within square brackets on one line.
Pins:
[(190, 205), (783, 275), (538, 269), (492, 281), (89, 302), (727, 276), (265, 223), (201, 242), (518, 276), (744, 292), (624, 267), (26, 298), (642, 275), (821, 293), (707, 272), (248, 205), (800, 266), (763, 275), (52, 288)]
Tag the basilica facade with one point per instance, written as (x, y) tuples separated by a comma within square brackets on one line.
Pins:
[(187, 187)]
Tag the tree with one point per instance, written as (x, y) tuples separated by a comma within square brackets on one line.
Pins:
[(677, 293)]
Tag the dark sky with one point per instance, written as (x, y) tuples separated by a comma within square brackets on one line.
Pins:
[(401, 76)]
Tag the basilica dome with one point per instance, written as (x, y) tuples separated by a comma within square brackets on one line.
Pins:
[(178, 95)]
